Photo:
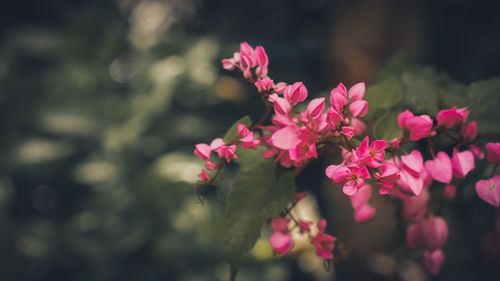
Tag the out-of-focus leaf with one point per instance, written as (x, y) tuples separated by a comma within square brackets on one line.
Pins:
[(483, 93), (386, 127), (383, 95), (257, 194), (421, 92), (232, 133)]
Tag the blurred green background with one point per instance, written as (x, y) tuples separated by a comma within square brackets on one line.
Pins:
[(101, 103)]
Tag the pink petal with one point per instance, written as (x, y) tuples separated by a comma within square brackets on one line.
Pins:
[(359, 108), (286, 138), (364, 214), (462, 163), (216, 143), (315, 107), (413, 161), (357, 91), (281, 242), (489, 191), (440, 168)]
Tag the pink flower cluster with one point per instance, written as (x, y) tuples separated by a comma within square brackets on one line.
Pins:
[(293, 137), (281, 239)]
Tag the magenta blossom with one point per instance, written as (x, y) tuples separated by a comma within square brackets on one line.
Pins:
[(246, 137), (418, 126), (371, 155), (323, 242), (449, 117), (281, 240), (352, 178)]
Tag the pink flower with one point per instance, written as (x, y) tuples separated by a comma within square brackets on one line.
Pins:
[(338, 97), (387, 174), (203, 176), (469, 131), (429, 234), (352, 178), (462, 163), (264, 84), (227, 152), (418, 126), (409, 183), (304, 226), (246, 137), (449, 117), (493, 152), (363, 212), (202, 151), (281, 242), (286, 138), (295, 93), (324, 243), (261, 56), (489, 190), (281, 105), (413, 162), (440, 168), (371, 155), (433, 261)]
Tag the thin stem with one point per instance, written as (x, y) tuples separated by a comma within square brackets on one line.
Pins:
[(494, 170), (431, 149)]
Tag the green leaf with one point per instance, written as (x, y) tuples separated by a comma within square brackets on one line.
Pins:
[(421, 92), (386, 127), (232, 133), (383, 95), (258, 194), (483, 93)]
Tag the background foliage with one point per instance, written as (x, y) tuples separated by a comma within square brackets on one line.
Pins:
[(101, 102)]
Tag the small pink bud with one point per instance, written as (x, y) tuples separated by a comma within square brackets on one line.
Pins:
[(203, 176), (433, 261), (493, 152), (449, 191), (305, 226), (469, 131)]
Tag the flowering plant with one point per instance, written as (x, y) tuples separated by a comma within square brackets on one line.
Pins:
[(401, 157)]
